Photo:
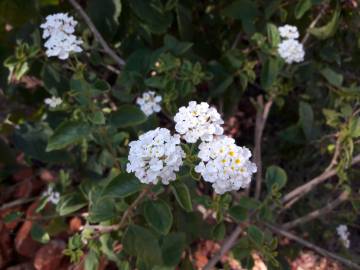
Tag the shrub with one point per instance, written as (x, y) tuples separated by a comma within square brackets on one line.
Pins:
[(147, 114)]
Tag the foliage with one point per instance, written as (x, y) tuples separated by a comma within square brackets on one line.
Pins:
[(221, 52)]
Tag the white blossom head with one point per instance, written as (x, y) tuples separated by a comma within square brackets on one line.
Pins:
[(58, 30), (225, 165), (155, 156), (342, 231), (53, 102), (289, 32), (52, 196), (149, 103), (291, 51), (198, 121)]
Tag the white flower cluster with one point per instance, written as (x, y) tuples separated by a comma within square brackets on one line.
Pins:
[(344, 234), (149, 103), (59, 29), (290, 49), (225, 165), (198, 121), (52, 196), (53, 102), (156, 156), (289, 32)]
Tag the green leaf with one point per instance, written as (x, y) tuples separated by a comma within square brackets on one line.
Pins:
[(269, 72), (39, 234), (158, 215), (273, 34), (91, 260), (105, 15), (184, 21), (101, 209), (122, 186), (182, 195), (329, 29), (127, 116), (219, 231), (248, 203), (332, 77), (33, 141), (175, 46), (172, 247), (152, 15), (256, 235), (244, 10), (70, 203), (69, 132), (354, 127), (12, 216), (275, 177), (140, 242), (238, 212), (306, 119), (302, 7)]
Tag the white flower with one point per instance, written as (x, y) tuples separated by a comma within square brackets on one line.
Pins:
[(53, 102), (225, 165), (156, 156), (289, 32), (198, 121), (149, 103), (344, 235), (291, 51), (59, 29), (52, 196)]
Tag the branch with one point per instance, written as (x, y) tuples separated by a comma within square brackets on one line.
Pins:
[(261, 117), (313, 24), (319, 212), (321, 251), (299, 192), (17, 202), (125, 216), (226, 246), (119, 61)]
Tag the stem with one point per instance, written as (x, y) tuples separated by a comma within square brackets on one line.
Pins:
[(125, 216), (119, 61), (226, 246), (302, 190), (17, 202), (319, 212), (313, 23), (261, 118), (276, 229)]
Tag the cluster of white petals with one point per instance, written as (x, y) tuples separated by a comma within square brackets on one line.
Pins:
[(290, 49), (344, 235), (289, 32), (225, 165), (52, 196), (149, 102), (198, 121), (155, 157), (58, 30), (53, 102)]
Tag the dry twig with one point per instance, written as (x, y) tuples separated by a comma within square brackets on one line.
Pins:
[(282, 232), (319, 212), (119, 61), (302, 190), (261, 117)]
